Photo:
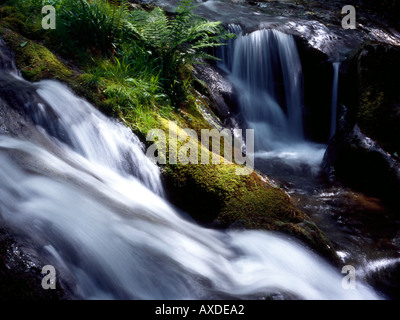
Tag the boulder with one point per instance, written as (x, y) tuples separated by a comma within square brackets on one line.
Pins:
[(212, 194), (214, 84), (364, 152)]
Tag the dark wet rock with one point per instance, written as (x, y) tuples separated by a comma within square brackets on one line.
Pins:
[(20, 268), (13, 123), (363, 164), (378, 112), (6, 58), (364, 151), (387, 11), (20, 273), (386, 279), (220, 90), (318, 77), (317, 22)]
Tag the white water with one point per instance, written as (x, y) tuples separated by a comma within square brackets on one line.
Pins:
[(115, 239), (259, 62), (335, 88), (7, 62), (98, 139), (266, 71), (111, 236)]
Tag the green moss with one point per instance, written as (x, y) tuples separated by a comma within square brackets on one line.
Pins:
[(12, 19), (212, 193), (35, 61), (13, 22), (371, 105)]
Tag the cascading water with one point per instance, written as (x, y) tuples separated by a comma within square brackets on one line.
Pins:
[(7, 63), (265, 68), (257, 65), (225, 52), (335, 88), (86, 199)]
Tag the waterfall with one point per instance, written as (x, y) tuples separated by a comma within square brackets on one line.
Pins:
[(335, 88), (265, 69), (85, 198), (226, 51), (7, 62), (72, 121)]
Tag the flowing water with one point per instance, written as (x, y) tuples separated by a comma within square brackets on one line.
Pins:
[(265, 69), (81, 194), (265, 66), (364, 230), (335, 90)]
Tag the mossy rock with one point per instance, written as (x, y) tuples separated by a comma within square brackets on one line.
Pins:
[(212, 193), (363, 165), (13, 22), (217, 195), (35, 61)]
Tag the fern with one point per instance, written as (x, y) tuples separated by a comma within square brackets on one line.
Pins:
[(180, 37), (175, 42)]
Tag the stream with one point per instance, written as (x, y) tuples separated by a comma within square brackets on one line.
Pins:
[(77, 189), (265, 69)]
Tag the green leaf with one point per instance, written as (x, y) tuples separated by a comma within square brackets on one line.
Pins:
[(23, 44)]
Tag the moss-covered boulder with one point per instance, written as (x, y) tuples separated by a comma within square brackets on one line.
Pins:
[(35, 61), (228, 195), (214, 194)]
